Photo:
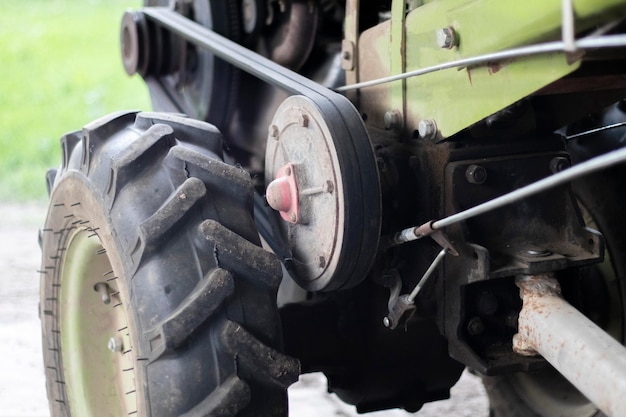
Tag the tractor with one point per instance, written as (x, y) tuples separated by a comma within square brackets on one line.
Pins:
[(385, 191)]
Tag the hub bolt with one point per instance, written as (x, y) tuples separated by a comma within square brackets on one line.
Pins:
[(274, 132), (115, 344), (103, 289)]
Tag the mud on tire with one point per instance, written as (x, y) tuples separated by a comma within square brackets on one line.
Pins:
[(156, 299)]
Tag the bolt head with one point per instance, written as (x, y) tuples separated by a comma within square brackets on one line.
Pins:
[(446, 38), (392, 119), (427, 129), (558, 164), (475, 326), (303, 120), (115, 344), (476, 174), (274, 132), (249, 14)]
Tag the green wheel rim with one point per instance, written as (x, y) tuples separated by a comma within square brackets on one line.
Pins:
[(96, 347)]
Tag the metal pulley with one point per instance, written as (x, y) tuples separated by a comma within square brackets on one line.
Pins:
[(327, 197)]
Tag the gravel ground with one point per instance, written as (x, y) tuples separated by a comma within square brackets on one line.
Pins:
[(22, 386)]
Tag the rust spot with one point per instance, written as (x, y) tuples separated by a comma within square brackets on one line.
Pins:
[(493, 67)]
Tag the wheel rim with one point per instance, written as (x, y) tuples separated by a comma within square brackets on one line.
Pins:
[(96, 348)]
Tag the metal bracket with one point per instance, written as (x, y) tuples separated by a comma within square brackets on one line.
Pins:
[(402, 308)]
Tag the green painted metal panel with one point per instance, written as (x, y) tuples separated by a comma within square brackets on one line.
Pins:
[(458, 98)]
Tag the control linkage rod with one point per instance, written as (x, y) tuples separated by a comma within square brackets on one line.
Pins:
[(585, 168)]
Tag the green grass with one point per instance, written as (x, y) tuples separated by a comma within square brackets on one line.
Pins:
[(60, 68)]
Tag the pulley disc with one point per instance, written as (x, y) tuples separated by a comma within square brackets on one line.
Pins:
[(323, 183)]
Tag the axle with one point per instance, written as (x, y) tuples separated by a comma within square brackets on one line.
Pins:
[(582, 352)]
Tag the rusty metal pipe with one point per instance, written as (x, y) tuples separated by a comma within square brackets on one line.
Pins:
[(582, 352)]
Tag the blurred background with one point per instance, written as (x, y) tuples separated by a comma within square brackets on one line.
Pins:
[(60, 67)]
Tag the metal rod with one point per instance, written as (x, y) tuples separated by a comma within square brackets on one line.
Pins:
[(595, 164), (592, 165), (592, 131), (582, 352), (427, 274), (585, 168), (567, 28), (612, 41)]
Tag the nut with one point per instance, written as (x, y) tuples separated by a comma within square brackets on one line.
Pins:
[(427, 129), (558, 164), (446, 38), (392, 119), (475, 326), (476, 174)]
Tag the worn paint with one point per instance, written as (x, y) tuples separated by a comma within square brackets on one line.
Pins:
[(582, 352), (454, 99)]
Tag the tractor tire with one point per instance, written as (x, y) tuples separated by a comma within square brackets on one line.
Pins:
[(600, 290), (156, 298)]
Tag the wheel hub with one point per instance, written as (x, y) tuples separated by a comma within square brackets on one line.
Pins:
[(313, 181)]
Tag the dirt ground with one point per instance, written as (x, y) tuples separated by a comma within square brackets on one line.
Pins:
[(22, 386)]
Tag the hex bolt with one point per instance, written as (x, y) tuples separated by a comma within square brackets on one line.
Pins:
[(558, 164), (274, 132), (115, 344), (476, 174), (427, 129), (103, 289), (392, 119), (249, 14), (446, 38), (475, 326), (303, 120)]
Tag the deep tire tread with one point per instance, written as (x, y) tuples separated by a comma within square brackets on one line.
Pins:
[(153, 230), (260, 361), (183, 229), (236, 254), (196, 309), (226, 401), (240, 183)]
